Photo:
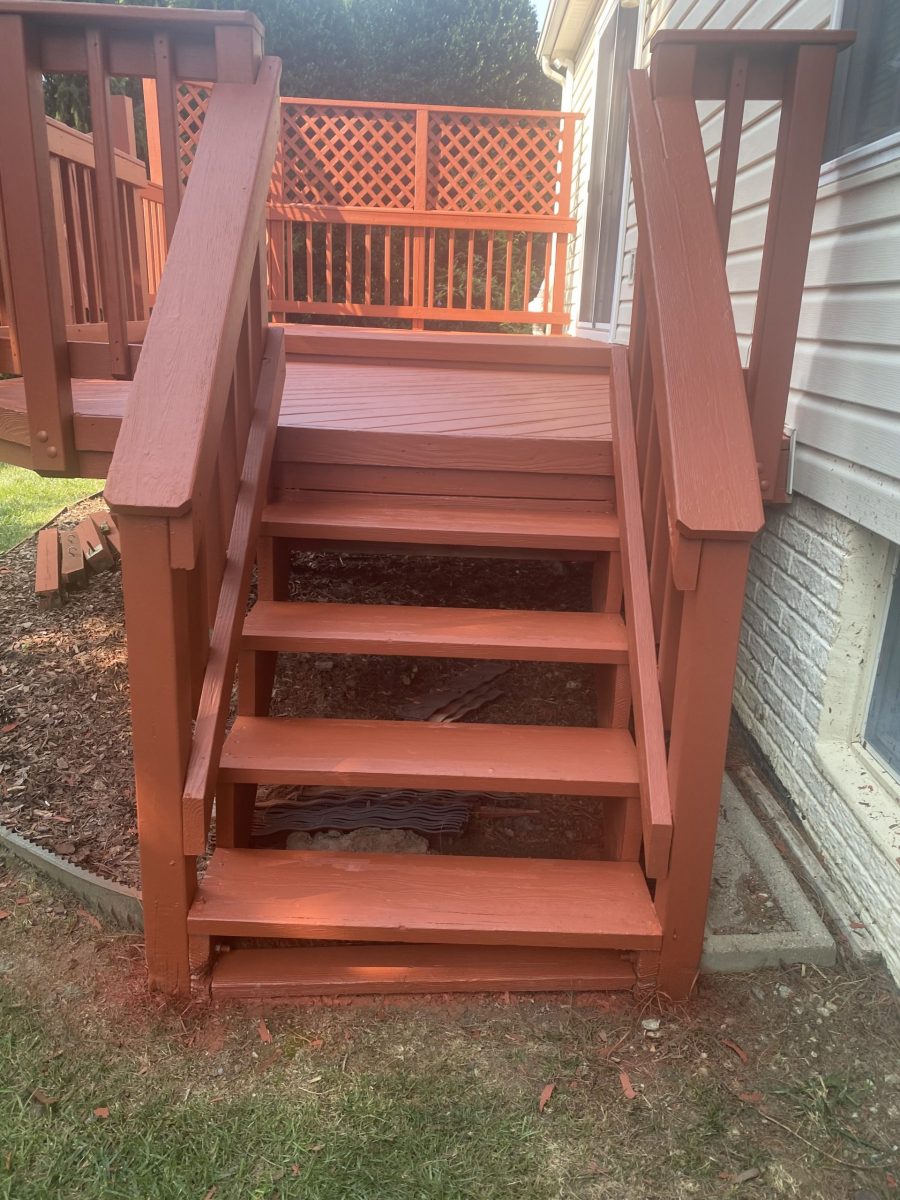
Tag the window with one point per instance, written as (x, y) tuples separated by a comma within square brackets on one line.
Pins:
[(882, 733), (606, 184), (865, 103)]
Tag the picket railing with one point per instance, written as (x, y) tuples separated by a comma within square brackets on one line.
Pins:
[(70, 224), (420, 213)]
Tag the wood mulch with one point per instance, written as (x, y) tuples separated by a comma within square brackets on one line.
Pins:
[(65, 756)]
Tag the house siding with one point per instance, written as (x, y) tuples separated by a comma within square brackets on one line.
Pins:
[(798, 616), (805, 649)]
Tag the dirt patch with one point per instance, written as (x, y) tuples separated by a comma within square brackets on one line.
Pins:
[(65, 738), (65, 756)]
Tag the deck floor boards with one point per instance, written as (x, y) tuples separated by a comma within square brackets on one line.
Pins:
[(336, 398)]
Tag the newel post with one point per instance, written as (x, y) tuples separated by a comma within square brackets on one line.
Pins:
[(157, 624), (701, 712)]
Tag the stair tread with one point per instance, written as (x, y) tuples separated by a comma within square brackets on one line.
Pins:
[(494, 758), (425, 898), (436, 632), (286, 972), (439, 520)]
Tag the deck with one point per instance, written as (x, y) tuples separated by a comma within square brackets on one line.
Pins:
[(476, 403)]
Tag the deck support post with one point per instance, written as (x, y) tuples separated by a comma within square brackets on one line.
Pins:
[(157, 627), (701, 713)]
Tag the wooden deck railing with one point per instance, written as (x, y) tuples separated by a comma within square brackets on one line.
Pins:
[(697, 442), (187, 482), (795, 69), (51, 186), (687, 480), (414, 212)]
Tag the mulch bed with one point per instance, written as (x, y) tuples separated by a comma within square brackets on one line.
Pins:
[(65, 760)]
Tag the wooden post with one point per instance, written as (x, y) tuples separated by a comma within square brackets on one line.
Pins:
[(121, 109), (167, 132), (151, 116), (26, 201), (710, 630), (158, 632), (111, 247), (421, 204), (798, 158)]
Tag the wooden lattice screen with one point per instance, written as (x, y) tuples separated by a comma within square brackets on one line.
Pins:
[(414, 211)]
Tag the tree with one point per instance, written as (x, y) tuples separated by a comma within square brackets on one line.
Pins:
[(469, 52)]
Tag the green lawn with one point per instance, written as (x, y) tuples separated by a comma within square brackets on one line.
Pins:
[(27, 501)]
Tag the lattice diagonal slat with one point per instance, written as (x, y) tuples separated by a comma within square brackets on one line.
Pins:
[(191, 100), (489, 162), (348, 157)]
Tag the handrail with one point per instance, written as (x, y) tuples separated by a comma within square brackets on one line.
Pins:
[(187, 483), (707, 456), (165, 450), (795, 68)]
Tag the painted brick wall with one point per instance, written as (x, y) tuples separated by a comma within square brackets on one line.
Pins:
[(795, 623)]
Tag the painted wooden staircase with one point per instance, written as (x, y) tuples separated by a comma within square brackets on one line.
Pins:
[(508, 922), (694, 446)]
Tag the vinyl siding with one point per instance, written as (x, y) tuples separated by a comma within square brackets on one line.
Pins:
[(845, 398)]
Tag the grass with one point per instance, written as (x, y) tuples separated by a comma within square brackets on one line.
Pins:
[(28, 501), (320, 1132)]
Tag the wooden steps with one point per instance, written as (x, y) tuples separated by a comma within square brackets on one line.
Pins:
[(436, 632), (441, 521), (287, 973), (425, 898), (411, 754)]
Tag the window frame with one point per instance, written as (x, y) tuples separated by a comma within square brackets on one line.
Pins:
[(873, 154)]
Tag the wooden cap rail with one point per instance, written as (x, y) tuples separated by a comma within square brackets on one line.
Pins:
[(165, 450)]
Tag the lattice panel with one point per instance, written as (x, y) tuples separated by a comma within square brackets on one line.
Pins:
[(348, 157), (489, 162), (191, 100)]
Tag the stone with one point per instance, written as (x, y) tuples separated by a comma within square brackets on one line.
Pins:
[(367, 840)]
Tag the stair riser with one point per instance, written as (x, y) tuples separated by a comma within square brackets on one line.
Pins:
[(400, 970), (419, 649), (335, 777)]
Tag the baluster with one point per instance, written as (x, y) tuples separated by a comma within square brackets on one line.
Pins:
[(489, 273), (62, 241), (548, 267), (368, 279), (406, 264), (387, 264), (470, 269), (329, 263), (670, 628), (529, 246), (507, 281), (451, 254), (432, 255), (308, 245), (75, 227), (166, 130), (659, 559), (348, 265), (729, 148)]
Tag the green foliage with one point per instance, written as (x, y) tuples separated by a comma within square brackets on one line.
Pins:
[(469, 52)]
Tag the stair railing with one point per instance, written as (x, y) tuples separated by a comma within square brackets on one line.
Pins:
[(794, 69), (100, 42), (688, 479), (187, 484)]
